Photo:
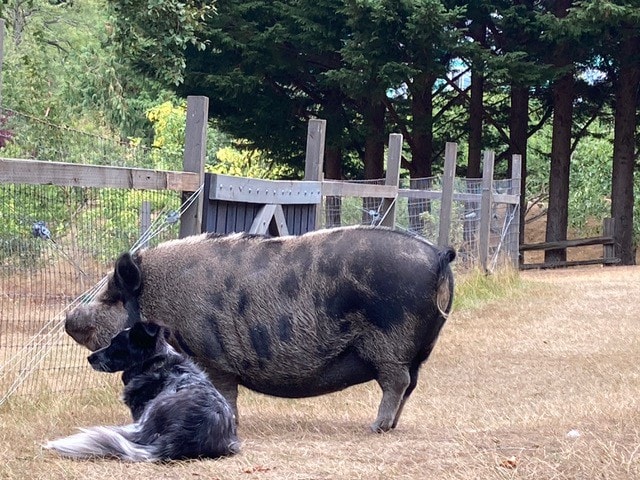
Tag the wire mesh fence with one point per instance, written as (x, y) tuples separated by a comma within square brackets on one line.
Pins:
[(56, 244), (421, 216)]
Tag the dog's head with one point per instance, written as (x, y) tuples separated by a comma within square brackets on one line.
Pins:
[(128, 348)]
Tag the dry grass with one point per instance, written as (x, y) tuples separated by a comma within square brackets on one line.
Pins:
[(507, 381)]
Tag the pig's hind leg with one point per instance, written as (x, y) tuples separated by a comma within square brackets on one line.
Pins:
[(394, 380), (412, 385)]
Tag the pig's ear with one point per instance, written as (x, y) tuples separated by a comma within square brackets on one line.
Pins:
[(127, 274)]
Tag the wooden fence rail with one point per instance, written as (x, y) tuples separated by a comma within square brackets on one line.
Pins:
[(36, 172), (606, 240)]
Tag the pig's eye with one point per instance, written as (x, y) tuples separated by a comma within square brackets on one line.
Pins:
[(112, 296)]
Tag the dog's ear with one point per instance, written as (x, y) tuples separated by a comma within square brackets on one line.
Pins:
[(144, 334)]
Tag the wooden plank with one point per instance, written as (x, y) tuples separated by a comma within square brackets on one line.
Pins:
[(38, 172), (234, 220), (221, 217), (485, 208), (310, 219), (314, 159), (446, 203), (421, 194), (263, 219), (145, 220), (392, 179), (512, 199), (195, 135), (347, 189), (255, 190), (280, 222), (195, 150), (297, 218), (289, 217), (249, 212), (267, 214), (207, 206), (305, 219), (570, 263), (314, 155), (513, 211), (576, 242), (608, 230)]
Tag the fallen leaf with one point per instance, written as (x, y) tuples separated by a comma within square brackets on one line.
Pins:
[(510, 463), (257, 469)]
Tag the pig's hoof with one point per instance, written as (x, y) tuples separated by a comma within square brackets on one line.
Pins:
[(381, 426)]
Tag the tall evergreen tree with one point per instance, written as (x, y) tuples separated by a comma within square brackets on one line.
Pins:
[(616, 24), (563, 91)]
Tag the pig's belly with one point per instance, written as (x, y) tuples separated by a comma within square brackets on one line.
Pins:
[(344, 371)]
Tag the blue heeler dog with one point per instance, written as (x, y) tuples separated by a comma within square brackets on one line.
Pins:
[(177, 412)]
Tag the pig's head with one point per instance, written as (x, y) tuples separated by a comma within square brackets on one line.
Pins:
[(113, 309)]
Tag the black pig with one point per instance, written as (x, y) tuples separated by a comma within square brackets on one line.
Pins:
[(288, 316)]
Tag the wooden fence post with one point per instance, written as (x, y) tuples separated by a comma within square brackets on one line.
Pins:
[(195, 149), (394, 154), (608, 230), (485, 207), (145, 220), (513, 211), (314, 159), (446, 203)]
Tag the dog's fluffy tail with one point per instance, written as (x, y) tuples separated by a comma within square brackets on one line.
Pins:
[(104, 442)]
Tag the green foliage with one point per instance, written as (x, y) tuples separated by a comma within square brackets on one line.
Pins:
[(26, 205), (61, 64), (245, 162), (431, 220), (111, 223), (168, 121), (155, 34), (590, 179), (223, 156)]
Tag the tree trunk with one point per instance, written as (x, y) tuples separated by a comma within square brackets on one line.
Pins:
[(374, 141), (518, 135), (421, 147), (373, 158), (476, 113), (622, 198), (558, 211), (332, 162), (477, 31), (422, 126), (563, 93), (474, 159), (332, 111)]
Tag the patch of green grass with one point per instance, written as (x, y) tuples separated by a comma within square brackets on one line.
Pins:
[(475, 288)]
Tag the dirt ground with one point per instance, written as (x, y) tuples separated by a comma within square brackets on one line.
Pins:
[(542, 385)]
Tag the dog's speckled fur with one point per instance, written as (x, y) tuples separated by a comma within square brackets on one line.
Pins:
[(177, 412)]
